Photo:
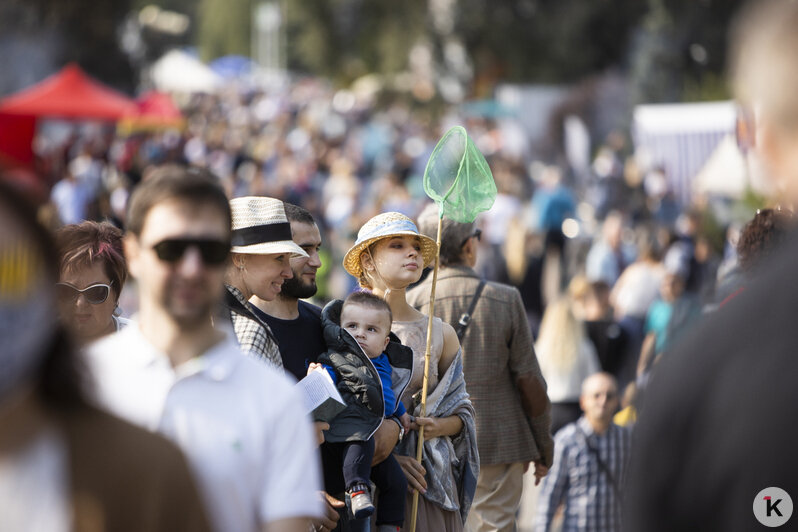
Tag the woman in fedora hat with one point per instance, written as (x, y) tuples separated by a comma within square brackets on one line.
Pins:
[(260, 253), (388, 256)]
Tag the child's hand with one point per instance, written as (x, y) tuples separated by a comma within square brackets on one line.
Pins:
[(315, 366), (405, 420)]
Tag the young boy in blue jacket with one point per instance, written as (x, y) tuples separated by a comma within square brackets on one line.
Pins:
[(371, 369)]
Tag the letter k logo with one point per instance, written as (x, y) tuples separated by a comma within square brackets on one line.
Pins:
[(772, 506)]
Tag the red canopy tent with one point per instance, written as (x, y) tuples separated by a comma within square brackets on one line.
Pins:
[(69, 94), (154, 110)]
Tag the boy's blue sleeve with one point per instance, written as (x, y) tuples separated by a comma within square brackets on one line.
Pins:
[(400, 409), (331, 372)]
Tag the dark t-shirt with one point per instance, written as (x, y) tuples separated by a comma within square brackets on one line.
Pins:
[(610, 341), (301, 340)]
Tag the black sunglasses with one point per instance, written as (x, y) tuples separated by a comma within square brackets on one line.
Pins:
[(94, 294), (476, 234), (213, 252)]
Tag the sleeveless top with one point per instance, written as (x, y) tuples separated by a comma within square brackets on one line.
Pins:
[(414, 335)]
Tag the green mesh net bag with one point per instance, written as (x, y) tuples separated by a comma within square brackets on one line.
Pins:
[(458, 178)]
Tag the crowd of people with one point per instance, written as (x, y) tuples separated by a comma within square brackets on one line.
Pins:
[(173, 286)]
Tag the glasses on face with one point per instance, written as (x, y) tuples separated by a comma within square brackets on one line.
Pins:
[(94, 294), (476, 234), (213, 252)]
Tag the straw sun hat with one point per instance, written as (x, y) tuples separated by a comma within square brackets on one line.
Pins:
[(261, 228), (386, 225)]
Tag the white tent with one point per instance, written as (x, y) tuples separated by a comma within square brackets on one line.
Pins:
[(728, 173), (178, 71), (681, 138)]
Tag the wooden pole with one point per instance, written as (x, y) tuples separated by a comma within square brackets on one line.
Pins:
[(420, 450)]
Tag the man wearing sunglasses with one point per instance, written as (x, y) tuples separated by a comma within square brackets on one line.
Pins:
[(240, 423), (504, 380)]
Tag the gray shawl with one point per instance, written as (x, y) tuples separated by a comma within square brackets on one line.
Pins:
[(452, 463)]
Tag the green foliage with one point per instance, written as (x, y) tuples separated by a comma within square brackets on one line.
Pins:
[(710, 88), (345, 39), (551, 41), (752, 201), (657, 61), (224, 27), (680, 51), (672, 49)]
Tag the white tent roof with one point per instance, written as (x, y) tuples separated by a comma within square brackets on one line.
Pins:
[(728, 173), (178, 71), (683, 118)]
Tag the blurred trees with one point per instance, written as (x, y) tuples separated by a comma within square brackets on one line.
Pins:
[(39, 36), (551, 41), (670, 49), (345, 39), (679, 51), (156, 43), (224, 27), (547, 41), (341, 39)]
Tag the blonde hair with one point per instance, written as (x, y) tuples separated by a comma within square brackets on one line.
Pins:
[(560, 339), (363, 280), (579, 287)]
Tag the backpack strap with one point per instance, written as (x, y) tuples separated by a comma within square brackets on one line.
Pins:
[(465, 319), (602, 465)]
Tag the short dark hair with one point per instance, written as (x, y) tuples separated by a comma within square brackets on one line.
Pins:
[(295, 213), (600, 289), (88, 243), (176, 182), (367, 299)]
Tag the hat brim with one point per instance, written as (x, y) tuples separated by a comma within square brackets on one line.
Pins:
[(270, 248), (351, 263)]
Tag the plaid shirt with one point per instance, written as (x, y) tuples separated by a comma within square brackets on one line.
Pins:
[(254, 335), (497, 348), (576, 479)]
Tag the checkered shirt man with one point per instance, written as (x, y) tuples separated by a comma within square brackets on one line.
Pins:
[(577, 479)]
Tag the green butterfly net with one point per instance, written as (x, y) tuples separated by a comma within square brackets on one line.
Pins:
[(458, 178)]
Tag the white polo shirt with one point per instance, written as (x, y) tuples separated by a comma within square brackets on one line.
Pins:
[(241, 424)]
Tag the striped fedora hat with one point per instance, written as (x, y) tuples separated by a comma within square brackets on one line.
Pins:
[(261, 228)]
